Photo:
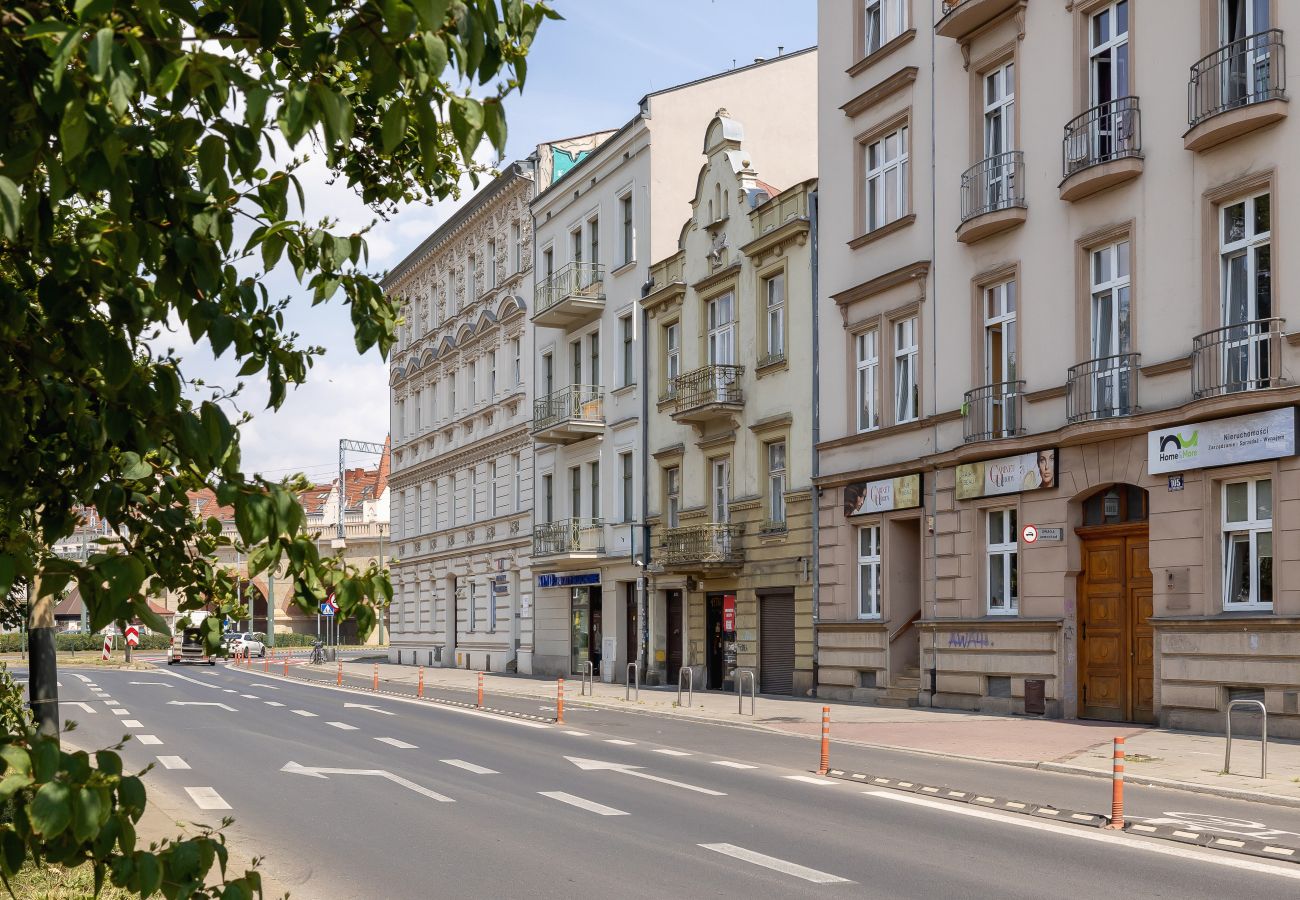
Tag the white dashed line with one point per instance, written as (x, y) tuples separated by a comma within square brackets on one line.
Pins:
[(577, 733), (666, 752), (120, 712), (231, 691), (810, 779), (112, 703), (732, 765), (148, 739), (272, 703), (173, 762), (342, 726), (83, 678), (621, 743), (470, 767), (250, 696), (269, 687), (303, 712), (394, 742), (206, 798), (132, 723), (589, 805), (777, 865)]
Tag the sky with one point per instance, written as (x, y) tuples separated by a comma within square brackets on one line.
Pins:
[(585, 74)]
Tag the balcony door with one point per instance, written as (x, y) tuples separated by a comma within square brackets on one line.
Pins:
[(1000, 346), (721, 349), (999, 134), (1247, 70), (1247, 293), (1108, 76), (1110, 384), (720, 538)]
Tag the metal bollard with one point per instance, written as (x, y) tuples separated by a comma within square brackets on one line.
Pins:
[(374, 685), (480, 690), (1117, 786), (559, 702), (419, 691), (632, 680), (826, 741)]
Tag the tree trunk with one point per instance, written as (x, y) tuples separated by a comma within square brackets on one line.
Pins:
[(42, 683)]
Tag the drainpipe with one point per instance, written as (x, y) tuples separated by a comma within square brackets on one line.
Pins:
[(934, 380), (816, 436), (642, 587)]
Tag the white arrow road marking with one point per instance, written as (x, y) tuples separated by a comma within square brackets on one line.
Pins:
[(319, 772), (156, 683), (85, 706), (206, 798), (342, 726), (201, 703), (589, 765), (382, 712), (173, 762), (206, 684), (589, 805), (732, 765), (777, 865), (150, 739), (132, 723), (400, 745), (470, 767)]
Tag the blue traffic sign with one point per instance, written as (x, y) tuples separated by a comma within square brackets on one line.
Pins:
[(326, 609)]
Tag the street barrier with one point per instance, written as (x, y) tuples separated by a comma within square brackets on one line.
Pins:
[(559, 702), (374, 685), (687, 673), (286, 666), (419, 691), (1117, 786), (340, 681), (1263, 740), (741, 674), (588, 685), (632, 681), (826, 741), (480, 690)]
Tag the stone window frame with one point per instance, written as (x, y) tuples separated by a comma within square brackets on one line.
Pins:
[(860, 560), (1213, 201), (862, 145), (762, 277), (988, 551), (863, 59)]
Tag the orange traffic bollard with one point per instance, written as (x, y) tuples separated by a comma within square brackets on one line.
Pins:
[(340, 680), (480, 690), (375, 684), (266, 664), (1117, 787), (286, 667), (559, 703), (419, 691), (826, 741)]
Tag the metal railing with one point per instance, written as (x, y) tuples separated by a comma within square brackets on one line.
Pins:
[(992, 184), (707, 385), (569, 536), (1106, 132), (1102, 388), (585, 402), (630, 678), (687, 673), (994, 411), (740, 691), (1246, 356), (1263, 740), (574, 279), (588, 685), (711, 542), (1248, 70)]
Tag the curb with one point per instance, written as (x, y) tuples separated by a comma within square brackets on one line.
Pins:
[(1208, 840)]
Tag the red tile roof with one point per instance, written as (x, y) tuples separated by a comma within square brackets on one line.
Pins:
[(203, 503)]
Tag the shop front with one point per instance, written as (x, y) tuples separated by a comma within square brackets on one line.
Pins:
[(569, 622)]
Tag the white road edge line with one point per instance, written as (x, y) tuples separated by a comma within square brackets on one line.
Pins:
[(777, 865), (206, 798), (173, 762), (1088, 834), (811, 779), (470, 767), (342, 726), (394, 742), (589, 805), (577, 733)]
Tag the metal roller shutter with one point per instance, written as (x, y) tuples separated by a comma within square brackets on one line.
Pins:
[(776, 644)]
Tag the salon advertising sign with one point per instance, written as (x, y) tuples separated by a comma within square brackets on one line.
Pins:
[(1222, 442), (863, 497), (1007, 475)]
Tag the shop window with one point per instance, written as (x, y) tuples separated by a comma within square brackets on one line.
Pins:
[(1003, 564), (1248, 544), (869, 572)]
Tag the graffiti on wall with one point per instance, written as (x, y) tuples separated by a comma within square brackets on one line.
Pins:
[(967, 639)]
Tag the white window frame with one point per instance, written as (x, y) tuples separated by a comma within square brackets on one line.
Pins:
[(882, 21), (593, 240), (777, 460), (473, 605), (907, 401), (673, 496), (672, 355), (491, 260), (1249, 247), (720, 487), (1250, 530), (517, 467), (493, 492), (516, 348), (1002, 556), (627, 228), (593, 475), (774, 293), (866, 353), (721, 346), (627, 486), (1109, 51), (516, 247), (886, 161), (627, 357), (868, 572)]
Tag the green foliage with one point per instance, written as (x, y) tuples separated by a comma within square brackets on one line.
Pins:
[(147, 181), (15, 715), (76, 643)]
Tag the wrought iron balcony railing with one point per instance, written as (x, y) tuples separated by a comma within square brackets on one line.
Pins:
[(707, 385), (1246, 356), (1102, 388), (1248, 70), (583, 402), (710, 543), (994, 411), (1106, 132), (566, 536), (572, 280), (993, 184)]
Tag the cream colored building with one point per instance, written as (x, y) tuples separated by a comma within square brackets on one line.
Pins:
[(597, 229), (1081, 358), (730, 349)]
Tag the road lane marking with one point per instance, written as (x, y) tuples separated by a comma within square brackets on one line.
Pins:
[(810, 779), (206, 684), (132, 723), (83, 678), (394, 742), (1090, 834), (250, 696), (374, 709), (230, 691), (590, 765), (269, 687), (206, 798), (112, 703), (666, 752), (577, 733), (732, 765), (86, 707), (149, 739), (272, 703), (158, 683), (303, 712), (319, 772), (785, 867), (200, 703), (119, 712), (621, 743), (342, 726), (173, 762), (589, 805), (470, 767)]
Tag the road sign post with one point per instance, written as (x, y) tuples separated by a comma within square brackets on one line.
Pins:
[(132, 640)]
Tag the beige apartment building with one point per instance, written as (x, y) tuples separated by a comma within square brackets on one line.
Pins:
[(730, 350), (1063, 476)]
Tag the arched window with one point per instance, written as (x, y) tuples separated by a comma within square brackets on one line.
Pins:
[(1116, 505)]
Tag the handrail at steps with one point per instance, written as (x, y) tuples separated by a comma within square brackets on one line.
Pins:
[(906, 625)]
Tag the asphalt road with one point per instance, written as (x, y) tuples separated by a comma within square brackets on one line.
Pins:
[(397, 799)]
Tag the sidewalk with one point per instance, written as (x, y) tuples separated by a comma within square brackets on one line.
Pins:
[(1188, 760)]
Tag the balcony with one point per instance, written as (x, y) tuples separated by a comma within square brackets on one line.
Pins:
[(1236, 89), (994, 411), (1102, 388), (711, 545), (958, 18), (571, 297), (992, 196), (569, 415), (1102, 148), (575, 539), (1236, 358), (708, 394)]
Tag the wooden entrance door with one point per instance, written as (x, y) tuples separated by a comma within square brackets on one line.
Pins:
[(1116, 673)]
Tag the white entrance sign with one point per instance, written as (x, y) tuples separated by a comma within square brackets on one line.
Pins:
[(1222, 442)]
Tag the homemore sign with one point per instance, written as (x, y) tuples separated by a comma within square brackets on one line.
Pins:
[(1222, 442)]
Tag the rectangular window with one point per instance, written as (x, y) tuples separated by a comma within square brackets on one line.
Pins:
[(548, 497), (472, 372), (518, 364), (883, 21), (492, 492), (401, 417), (593, 240), (887, 179), (625, 480), (867, 354), (1248, 544), (516, 247), (575, 245), (869, 572), (628, 375), (492, 374), (473, 277), (774, 291), (776, 482), (721, 489), (593, 351), (491, 603), (548, 264), (517, 466), (1001, 370), (491, 263), (548, 374), (593, 469), (1111, 386), (673, 496), (575, 359), (625, 215), (1108, 70), (722, 332), (575, 492), (672, 356), (419, 412), (473, 495), (451, 391), (1246, 294), (906, 389), (425, 507), (473, 606), (1003, 571)]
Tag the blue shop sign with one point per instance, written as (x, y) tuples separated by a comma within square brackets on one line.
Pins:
[(582, 579)]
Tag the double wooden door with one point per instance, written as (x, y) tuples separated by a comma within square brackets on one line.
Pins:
[(1116, 647)]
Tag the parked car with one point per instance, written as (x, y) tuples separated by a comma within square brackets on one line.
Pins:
[(247, 643)]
